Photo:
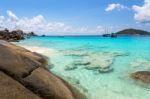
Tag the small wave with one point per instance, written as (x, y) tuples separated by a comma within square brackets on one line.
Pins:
[(42, 50)]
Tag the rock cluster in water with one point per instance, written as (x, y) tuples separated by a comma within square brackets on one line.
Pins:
[(14, 35), (143, 76), (99, 61), (24, 75)]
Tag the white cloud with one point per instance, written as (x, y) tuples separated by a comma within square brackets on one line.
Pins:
[(142, 12), (33, 24), (1, 19), (115, 6), (11, 16), (38, 24)]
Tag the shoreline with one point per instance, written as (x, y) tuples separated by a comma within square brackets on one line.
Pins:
[(97, 83), (71, 73)]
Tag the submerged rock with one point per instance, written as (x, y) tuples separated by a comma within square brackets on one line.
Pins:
[(77, 52), (70, 67), (142, 76), (73, 80), (77, 83), (92, 67), (74, 65), (105, 70), (29, 76), (81, 62), (102, 64), (102, 61), (50, 66)]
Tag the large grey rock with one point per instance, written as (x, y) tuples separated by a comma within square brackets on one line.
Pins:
[(15, 62), (48, 85), (28, 69), (12, 89)]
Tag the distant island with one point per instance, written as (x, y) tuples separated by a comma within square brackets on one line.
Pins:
[(132, 32), (127, 32)]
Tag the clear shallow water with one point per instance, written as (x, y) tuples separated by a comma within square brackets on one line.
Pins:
[(124, 55)]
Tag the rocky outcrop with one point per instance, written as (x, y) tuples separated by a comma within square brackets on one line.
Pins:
[(143, 76), (14, 35), (24, 75)]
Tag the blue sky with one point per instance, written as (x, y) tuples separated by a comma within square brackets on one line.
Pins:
[(76, 13)]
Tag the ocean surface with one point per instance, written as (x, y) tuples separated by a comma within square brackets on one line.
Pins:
[(99, 67)]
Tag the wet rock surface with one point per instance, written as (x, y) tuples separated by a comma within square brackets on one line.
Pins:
[(24, 75), (143, 76)]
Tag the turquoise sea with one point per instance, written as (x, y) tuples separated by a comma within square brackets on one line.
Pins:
[(99, 67)]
